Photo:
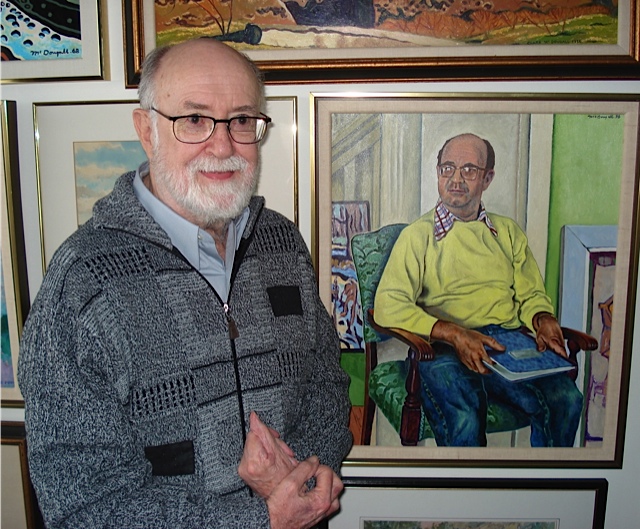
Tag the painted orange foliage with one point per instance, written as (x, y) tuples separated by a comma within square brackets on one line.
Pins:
[(479, 23)]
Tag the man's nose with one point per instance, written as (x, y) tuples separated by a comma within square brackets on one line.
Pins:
[(457, 176), (220, 142)]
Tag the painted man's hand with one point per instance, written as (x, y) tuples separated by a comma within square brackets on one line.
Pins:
[(549, 334), (266, 459), (469, 344)]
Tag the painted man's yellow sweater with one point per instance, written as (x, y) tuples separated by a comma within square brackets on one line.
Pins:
[(470, 277)]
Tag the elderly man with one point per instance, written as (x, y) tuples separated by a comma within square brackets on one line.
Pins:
[(178, 367), (455, 276)]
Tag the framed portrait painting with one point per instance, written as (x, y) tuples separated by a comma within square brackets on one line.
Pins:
[(358, 40), (376, 162)]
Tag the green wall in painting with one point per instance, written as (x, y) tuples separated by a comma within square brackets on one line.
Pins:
[(585, 180)]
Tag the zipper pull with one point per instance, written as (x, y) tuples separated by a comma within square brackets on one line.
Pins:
[(233, 328)]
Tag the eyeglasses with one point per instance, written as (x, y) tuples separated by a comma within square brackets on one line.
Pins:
[(197, 129), (467, 172)]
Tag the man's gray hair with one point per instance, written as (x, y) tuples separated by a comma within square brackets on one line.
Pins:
[(151, 65), (147, 86)]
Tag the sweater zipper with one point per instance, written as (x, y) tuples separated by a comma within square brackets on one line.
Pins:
[(234, 333), (231, 324), (232, 327)]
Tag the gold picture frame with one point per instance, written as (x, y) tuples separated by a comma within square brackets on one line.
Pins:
[(60, 198), (305, 61), (15, 302), (372, 158)]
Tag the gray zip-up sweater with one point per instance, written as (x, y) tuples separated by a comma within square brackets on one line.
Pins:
[(138, 388)]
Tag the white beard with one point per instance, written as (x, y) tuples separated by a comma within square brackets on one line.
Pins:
[(208, 203)]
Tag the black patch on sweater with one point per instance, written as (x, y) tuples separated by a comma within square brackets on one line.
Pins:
[(175, 459), (285, 300)]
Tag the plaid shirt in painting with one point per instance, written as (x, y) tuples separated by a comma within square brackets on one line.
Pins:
[(444, 220)]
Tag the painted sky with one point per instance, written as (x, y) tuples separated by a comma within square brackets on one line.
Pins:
[(97, 166)]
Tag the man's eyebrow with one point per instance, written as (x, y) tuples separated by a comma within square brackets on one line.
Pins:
[(191, 105), (467, 164)]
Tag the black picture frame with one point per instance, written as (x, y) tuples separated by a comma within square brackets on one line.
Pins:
[(361, 501)]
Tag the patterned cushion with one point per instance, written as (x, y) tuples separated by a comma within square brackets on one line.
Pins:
[(370, 253), (386, 388)]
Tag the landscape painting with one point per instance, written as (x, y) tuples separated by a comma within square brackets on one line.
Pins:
[(357, 40), (305, 24), (92, 158)]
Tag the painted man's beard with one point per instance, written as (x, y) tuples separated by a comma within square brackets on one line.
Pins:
[(209, 203)]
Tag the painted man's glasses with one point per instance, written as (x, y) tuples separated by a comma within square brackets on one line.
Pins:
[(467, 171)]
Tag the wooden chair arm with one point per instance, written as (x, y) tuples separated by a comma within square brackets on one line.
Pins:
[(413, 341), (581, 341)]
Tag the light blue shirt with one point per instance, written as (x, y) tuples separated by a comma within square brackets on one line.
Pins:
[(197, 246)]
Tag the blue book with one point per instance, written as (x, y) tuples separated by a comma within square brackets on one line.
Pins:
[(522, 360)]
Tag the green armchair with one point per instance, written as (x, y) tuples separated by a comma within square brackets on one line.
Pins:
[(394, 386)]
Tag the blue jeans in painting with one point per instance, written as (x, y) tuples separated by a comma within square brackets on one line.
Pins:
[(455, 400)]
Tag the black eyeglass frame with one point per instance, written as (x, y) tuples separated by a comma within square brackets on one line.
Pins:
[(173, 119), (459, 169)]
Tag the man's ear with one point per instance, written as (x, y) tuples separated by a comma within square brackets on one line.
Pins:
[(142, 124), (488, 178)]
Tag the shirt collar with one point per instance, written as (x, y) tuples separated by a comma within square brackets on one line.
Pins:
[(444, 219), (183, 234)]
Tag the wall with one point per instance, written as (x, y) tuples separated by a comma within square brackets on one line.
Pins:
[(575, 187), (624, 487)]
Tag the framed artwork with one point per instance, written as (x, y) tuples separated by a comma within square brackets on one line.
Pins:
[(586, 301), (78, 163), (347, 40), (463, 503), (13, 286), (19, 504), (375, 168), (41, 43)]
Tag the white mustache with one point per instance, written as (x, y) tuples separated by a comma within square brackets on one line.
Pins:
[(214, 165)]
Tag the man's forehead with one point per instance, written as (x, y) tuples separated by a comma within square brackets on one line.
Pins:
[(201, 58), (197, 87), (466, 145)]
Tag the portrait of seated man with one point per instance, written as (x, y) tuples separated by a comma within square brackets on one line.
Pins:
[(456, 272)]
